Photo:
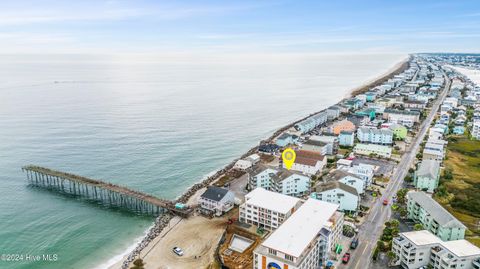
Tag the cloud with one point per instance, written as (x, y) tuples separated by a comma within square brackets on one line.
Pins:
[(114, 11)]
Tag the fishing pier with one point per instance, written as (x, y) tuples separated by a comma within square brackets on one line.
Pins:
[(104, 192)]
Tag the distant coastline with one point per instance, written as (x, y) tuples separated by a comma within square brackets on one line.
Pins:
[(188, 194)]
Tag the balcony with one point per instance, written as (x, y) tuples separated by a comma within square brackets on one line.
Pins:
[(476, 264)]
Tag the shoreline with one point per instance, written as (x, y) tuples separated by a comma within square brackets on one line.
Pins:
[(210, 178)]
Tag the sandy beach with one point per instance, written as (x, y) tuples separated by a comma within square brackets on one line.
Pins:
[(396, 69)]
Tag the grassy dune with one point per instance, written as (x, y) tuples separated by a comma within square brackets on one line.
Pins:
[(459, 192)]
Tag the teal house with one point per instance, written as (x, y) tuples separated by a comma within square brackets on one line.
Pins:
[(371, 96), (427, 175)]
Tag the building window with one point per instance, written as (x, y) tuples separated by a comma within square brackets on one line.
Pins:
[(272, 251), (288, 257)]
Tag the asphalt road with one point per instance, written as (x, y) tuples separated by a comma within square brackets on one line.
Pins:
[(371, 229)]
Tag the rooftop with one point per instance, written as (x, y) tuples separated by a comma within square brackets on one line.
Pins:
[(307, 157), (428, 168), (296, 233), (440, 214), (214, 193), (461, 248), (422, 237), (330, 185), (274, 201), (315, 143), (337, 174)]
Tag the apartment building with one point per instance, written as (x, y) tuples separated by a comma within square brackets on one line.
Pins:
[(267, 209), (427, 175), (422, 249), (279, 180), (433, 217), (308, 162), (375, 136), (403, 117), (303, 241), (373, 149), (476, 129), (345, 196)]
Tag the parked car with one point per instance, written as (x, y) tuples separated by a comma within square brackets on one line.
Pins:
[(178, 251), (354, 243), (346, 257), (385, 201)]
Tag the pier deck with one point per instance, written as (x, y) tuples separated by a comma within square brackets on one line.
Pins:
[(108, 193)]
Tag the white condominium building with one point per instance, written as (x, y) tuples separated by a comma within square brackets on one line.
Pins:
[(267, 209), (476, 129), (422, 249), (304, 240)]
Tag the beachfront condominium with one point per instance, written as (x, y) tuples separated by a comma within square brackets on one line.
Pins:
[(303, 241), (422, 249), (266, 209), (279, 180), (308, 162), (433, 217)]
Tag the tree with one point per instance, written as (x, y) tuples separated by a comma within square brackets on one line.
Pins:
[(391, 255), (394, 223), (403, 212), (375, 254), (418, 227), (401, 195), (138, 264)]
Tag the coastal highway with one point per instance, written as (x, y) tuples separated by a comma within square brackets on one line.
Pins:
[(371, 229)]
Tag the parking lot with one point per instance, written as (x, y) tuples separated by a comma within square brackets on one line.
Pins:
[(383, 167)]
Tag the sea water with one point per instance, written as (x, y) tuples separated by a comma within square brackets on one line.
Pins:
[(154, 125)]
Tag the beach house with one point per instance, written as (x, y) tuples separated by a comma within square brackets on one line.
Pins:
[(216, 200)]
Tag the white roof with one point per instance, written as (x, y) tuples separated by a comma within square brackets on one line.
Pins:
[(422, 237), (461, 248), (274, 201), (345, 162), (254, 157), (296, 233)]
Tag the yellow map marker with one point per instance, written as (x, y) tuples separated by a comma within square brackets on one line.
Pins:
[(288, 157)]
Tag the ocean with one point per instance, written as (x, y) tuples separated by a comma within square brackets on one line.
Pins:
[(154, 124)]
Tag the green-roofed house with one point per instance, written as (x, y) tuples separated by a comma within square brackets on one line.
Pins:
[(433, 217), (427, 175)]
